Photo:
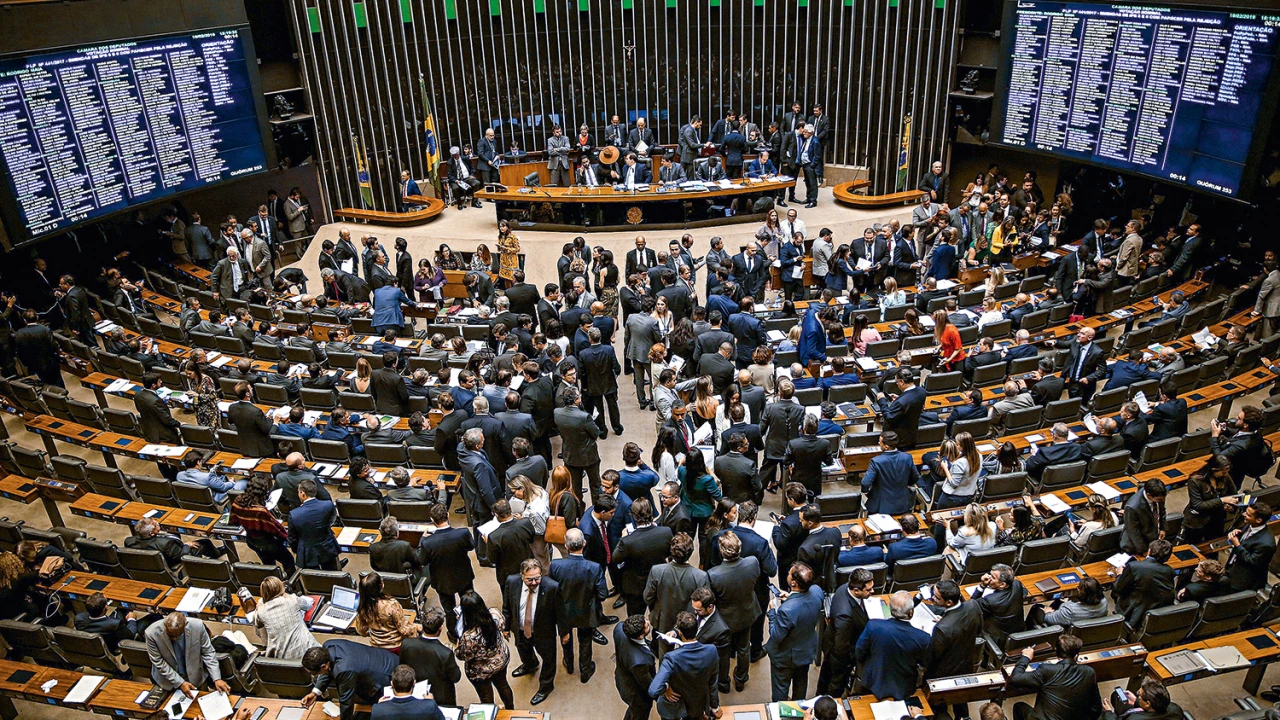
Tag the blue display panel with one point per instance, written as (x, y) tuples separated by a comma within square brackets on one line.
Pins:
[(1179, 94), (89, 131)]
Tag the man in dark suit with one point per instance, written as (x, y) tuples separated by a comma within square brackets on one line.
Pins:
[(1083, 368), (1047, 385), (599, 368), (479, 289), (674, 514), (311, 530), (974, 409), (1169, 418), (733, 582), (805, 456), (481, 488), (638, 552), (640, 259), (78, 318), (226, 281), (509, 544), (147, 536), (846, 619), (789, 533), (751, 270), (1133, 429), (953, 649), (712, 630), (1151, 703), (748, 333), (887, 482), (390, 554), (582, 589), (633, 666), (912, 545), (1245, 448), (533, 609), (820, 547), (402, 705), (496, 449), (1002, 605), (1144, 517), (793, 634), (902, 414), (431, 659), (35, 347), (388, 389), (359, 672), (111, 627), (686, 683), (709, 342), (449, 431), (1252, 548), (447, 555), (251, 424), (154, 418), (736, 471), (287, 480), (1106, 441), (871, 248), (1060, 452), (986, 354), (578, 434), (890, 652), (538, 400), (1065, 690), (780, 424), (718, 365)]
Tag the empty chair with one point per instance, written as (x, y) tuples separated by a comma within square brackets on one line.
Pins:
[(198, 436), (425, 457), (28, 640), (1194, 444), (410, 512), (1003, 487), (230, 345), (931, 435), (1102, 545), (329, 450), (85, 649), (1057, 477), (969, 335), (911, 574), (989, 374), (1137, 339), (269, 394), (1223, 614), (839, 505), (1034, 322), (809, 397), (283, 678), (1064, 411), (1032, 284), (1043, 554), (979, 428), (1160, 452), (322, 582), (1014, 643), (356, 402), (1023, 420), (57, 405), (917, 342), (109, 481), (209, 573), (32, 463), (971, 298), (1212, 371), (387, 455), (1004, 291), (86, 414), (1164, 331), (134, 653), (267, 351), (121, 421), (1098, 633), (1166, 626), (359, 513), (251, 575), (100, 557), (839, 394), (1023, 365), (229, 440), (156, 491), (1108, 402), (317, 399), (882, 349), (999, 329), (1108, 466), (147, 566)]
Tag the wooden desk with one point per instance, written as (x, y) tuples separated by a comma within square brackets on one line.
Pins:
[(98, 507), (432, 207), (1260, 646), (16, 687), (198, 276), (50, 428), (21, 489), (57, 694), (1125, 661), (237, 617), (129, 594), (275, 705), (605, 209), (977, 687), (118, 697), (134, 511), (844, 194), (858, 707), (190, 522)]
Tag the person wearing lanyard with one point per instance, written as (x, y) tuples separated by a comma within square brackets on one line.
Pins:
[(809, 152)]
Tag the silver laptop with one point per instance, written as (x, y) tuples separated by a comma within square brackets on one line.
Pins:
[(341, 609)]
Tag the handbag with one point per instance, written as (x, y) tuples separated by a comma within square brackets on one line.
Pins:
[(555, 530), (52, 568), (1075, 318)]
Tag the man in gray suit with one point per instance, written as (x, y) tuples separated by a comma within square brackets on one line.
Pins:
[(670, 585), (1268, 305), (231, 275), (558, 158), (578, 435), (1015, 398), (733, 582), (182, 656), (690, 145), (642, 334)]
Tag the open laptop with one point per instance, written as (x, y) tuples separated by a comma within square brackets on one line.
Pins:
[(341, 610)]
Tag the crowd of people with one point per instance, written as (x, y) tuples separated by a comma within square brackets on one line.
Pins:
[(678, 538)]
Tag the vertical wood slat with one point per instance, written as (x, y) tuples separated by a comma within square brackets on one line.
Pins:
[(516, 64)]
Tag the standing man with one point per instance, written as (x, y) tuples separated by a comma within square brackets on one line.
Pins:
[(789, 156), (690, 146), (890, 652), (633, 665), (810, 154), (845, 622), (779, 425), (1064, 689), (793, 634), (296, 212), (311, 530), (582, 589), (37, 350), (533, 610), (821, 129), (734, 583), (1083, 367), (640, 141), (1127, 270), (182, 656), (671, 585), (157, 423), (1252, 548), (231, 276), (490, 158), (640, 551), (558, 147), (75, 308), (953, 649), (446, 553), (598, 366), (578, 434), (934, 182), (1268, 304), (685, 686)]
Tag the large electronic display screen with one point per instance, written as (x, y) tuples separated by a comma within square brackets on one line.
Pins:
[(89, 131), (1180, 94)]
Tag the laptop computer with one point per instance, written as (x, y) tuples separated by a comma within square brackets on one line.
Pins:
[(341, 610)]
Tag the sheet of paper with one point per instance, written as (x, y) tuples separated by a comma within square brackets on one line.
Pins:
[(883, 523), (182, 700), (1119, 560), (863, 264), (83, 689), (1035, 437), (946, 284), (702, 434), (215, 706), (142, 696), (489, 527), (245, 464), (404, 342), (923, 619), (194, 600), (450, 713), (1054, 503), (889, 710), (291, 713), (866, 363), (348, 266), (1104, 490), (1091, 423), (348, 535), (775, 336), (1143, 405), (331, 709), (875, 608)]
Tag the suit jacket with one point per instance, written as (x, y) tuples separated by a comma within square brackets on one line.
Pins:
[(633, 669), (598, 365), (1064, 690), (951, 649), (1047, 389), (1268, 303), (578, 433), (737, 476), (406, 708), (1101, 445), (888, 653), (1002, 611), (1134, 434), (788, 535), (558, 152), (390, 395), (394, 556), (37, 349), (678, 519), (780, 424), (582, 588), (887, 483), (311, 533), (482, 293), (201, 660), (1168, 420), (668, 590), (1248, 563), (638, 553), (720, 369), (358, 671), (806, 455), (641, 174), (751, 281), (1074, 369), (637, 262), (510, 544), (691, 672), (480, 485), (547, 615), (819, 551), (902, 415), (434, 661), (253, 428), (223, 279), (734, 584), (157, 424), (909, 548), (1051, 455), (447, 555), (1141, 524)]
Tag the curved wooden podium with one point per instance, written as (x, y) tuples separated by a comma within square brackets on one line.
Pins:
[(844, 194), (431, 207)]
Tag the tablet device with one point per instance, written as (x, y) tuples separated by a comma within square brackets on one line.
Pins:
[(149, 594), (96, 584), (21, 676)]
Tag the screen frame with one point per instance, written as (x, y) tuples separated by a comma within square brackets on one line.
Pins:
[(1264, 122), (11, 214)]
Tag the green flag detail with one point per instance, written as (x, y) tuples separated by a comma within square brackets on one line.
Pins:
[(362, 16), (313, 19)]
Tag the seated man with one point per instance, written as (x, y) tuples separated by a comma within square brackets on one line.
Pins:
[(859, 553), (986, 354), (971, 410), (402, 705), (195, 474), (182, 656), (400, 490), (391, 554), (112, 626), (800, 377), (1060, 452), (1151, 703), (147, 536), (1125, 372), (912, 545), (827, 423), (1064, 689), (294, 427)]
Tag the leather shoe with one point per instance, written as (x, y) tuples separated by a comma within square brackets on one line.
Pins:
[(755, 657), (524, 670), (587, 672), (739, 685), (619, 603), (724, 688), (539, 697), (598, 638), (811, 205), (609, 620), (781, 203), (477, 203), (568, 664), (618, 430)]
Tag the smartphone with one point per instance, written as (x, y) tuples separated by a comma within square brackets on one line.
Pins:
[(773, 589), (1120, 697), (257, 714)]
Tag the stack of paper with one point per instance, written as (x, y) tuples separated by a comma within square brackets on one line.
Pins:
[(245, 464), (866, 363), (1054, 504), (889, 709), (1183, 662), (194, 600), (177, 704), (349, 535), (1223, 658), (83, 689), (420, 690), (120, 385), (1090, 423), (215, 706), (1119, 560), (881, 523), (1104, 490)]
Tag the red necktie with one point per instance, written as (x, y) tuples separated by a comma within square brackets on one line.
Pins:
[(604, 536)]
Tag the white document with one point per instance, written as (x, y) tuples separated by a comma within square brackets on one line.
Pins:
[(488, 527), (450, 713), (222, 361), (1119, 560), (404, 342), (215, 706), (1143, 404), (1091, 423), (863, 264), (331, 709), (764, 529), (889, 710), (348, 535), (194, 600), (1035, 438), (1223, 658), (866, 363), (923, 619), (926, 321), (1054, 503), (1104, 490), (775, 336), (347, 265), (702, 434), (83, 689), (292, 713), (985, 447), (946, 284), (245, 464), (182, 700), (875, 608), (883, 523)]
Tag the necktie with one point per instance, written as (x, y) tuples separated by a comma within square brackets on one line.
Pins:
[(604, 537), (528, 607), (1084, 353)]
